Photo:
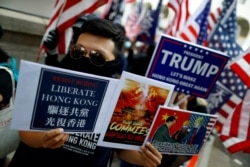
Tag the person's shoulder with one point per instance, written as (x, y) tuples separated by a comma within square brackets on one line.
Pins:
[(4, 71)]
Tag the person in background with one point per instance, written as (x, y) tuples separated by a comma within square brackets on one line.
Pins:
[(97, 50), (6, 90), (5, 87), (6, 94), (124, 58), (138, 62)]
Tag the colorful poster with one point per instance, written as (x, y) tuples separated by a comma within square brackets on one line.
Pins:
[(192, 68), (134, 106), (176, 131), (49, 97)]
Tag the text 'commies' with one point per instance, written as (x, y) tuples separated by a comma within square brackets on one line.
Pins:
[(186, 63)]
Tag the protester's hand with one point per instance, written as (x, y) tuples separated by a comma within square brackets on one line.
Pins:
[(51, 40), (54, 138), (151, 156), (147, 156)]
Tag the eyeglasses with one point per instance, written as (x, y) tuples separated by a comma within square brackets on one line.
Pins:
[(95, 57)]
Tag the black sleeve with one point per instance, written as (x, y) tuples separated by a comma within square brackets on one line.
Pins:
[(52, 60), (5, 87)]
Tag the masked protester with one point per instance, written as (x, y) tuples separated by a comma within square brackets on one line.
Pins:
[(96, 50)]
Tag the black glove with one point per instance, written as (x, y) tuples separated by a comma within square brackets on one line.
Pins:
[(51, 40)]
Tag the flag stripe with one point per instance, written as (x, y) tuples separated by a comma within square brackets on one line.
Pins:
[(223, 38), (210, 127), (64, 15), (212, 19), (73, 9), (225, 111), (183, 16), (195, 29), (244, 122), (237, 124), (192, 34), (234, 121), (242, 68), (234, 144), (56, 12), (180, 8)]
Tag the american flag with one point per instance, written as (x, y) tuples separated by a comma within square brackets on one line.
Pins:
[(149, 25), (195, 29), (114, 11), (180, 8), (64, 15), (223, 100), (213, 18), (237, 123), (231, 97), (223, 38), (208, 121), (228, 88), (133, 23), (231, 80), (242, 67), (234, 144), (212, 21), (210, 127), (226, 109), (235, 133)]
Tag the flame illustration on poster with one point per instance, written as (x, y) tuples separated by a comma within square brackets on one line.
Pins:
[(137, 101)]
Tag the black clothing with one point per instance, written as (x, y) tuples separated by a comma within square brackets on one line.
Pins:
[(27, 156), (5, 87)]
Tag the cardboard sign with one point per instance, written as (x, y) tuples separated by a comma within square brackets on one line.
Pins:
[(192, 68), (49, 97)]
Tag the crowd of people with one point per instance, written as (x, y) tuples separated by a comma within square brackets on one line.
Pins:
[(98, 47)]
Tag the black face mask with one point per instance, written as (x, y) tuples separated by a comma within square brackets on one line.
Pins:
[(110, 69)]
